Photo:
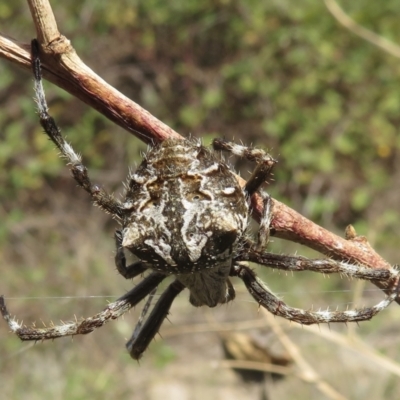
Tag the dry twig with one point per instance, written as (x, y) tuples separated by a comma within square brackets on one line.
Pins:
[(371, 37), (307, 372)]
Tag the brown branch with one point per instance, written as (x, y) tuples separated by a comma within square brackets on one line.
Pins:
[(63, 67)]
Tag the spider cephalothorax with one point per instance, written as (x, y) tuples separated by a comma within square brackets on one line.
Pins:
[(185, 215)]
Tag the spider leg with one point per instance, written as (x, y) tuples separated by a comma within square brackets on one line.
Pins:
[(143, 314), (112, 311), (263, 170), (265, 163), (79, 171), (265, 222), (324, 265), (274, 305), (132, 270), (141, 339)]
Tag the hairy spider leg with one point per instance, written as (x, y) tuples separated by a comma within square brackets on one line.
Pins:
[(265, 222), (79, 171), (274, 305), (132, 270), (112, 311), (323, 265), (260, 175), (265, 163), (141, 340)]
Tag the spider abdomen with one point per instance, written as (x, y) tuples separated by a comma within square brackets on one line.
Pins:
[(185, 210)]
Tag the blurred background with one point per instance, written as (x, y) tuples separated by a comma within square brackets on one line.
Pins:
[(281, 75)]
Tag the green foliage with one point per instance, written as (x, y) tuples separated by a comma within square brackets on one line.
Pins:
[(163, 354), (279, 74)]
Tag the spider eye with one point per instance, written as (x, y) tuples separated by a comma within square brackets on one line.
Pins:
[(198, 196)]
